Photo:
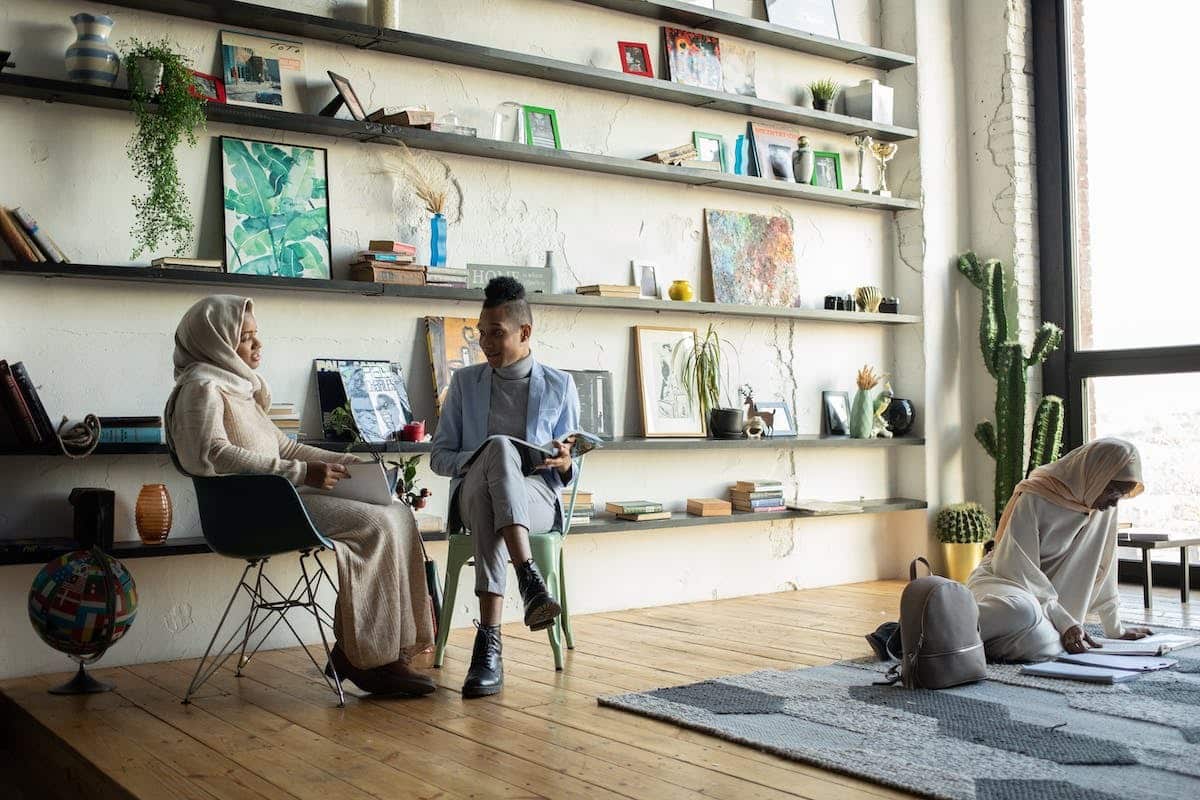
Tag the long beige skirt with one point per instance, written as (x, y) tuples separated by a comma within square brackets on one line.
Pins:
[(383, 612)]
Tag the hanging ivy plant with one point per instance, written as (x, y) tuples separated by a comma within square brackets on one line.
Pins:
[(163, 213)]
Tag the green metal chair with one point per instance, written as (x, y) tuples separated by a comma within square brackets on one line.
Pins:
[(547, 550)]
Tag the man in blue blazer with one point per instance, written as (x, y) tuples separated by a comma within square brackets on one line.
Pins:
[(511, 395)]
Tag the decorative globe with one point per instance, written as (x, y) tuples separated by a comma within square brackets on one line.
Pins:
[(83, 602)]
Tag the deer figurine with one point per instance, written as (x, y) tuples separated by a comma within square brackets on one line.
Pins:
[(768, 417)]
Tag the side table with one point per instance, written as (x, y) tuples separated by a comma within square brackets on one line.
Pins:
[(1148, 547)]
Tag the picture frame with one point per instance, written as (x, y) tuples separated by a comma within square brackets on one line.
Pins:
[(541, 127), (784, 423), (836, 412), (711, 147), (810, 16), (827, 171), (645, 277), (771, 151), (693, 58), (346, 96), (261, 70), (207, 87), (670, 407), (635, 59), (738, 69), (261, 237)]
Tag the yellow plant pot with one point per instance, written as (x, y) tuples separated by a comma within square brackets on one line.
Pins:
[(961, 559)]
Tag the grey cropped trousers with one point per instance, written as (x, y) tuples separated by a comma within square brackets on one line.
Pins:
[(494, 495)]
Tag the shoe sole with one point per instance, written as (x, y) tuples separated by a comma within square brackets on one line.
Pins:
[(470, 694), (543, 617)]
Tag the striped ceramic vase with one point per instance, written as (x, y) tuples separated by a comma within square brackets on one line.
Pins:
[(91, 59)]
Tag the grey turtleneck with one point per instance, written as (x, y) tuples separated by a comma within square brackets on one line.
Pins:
[(510, 398)]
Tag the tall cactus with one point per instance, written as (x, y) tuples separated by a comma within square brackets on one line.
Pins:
[(1006, 361)]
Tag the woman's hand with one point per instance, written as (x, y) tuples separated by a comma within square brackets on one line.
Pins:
[(1076, 640), (1135, 632), (560, 462), (325, 475)]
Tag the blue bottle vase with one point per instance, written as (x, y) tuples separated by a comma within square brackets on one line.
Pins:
[(437, 241)]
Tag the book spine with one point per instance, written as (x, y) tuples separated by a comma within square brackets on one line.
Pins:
[(736, 495), (761, 509), (131, 435), (53, 254), (14, 237), (634, 508), (750, 488), (761, 502), (18, 412), (40, 418)]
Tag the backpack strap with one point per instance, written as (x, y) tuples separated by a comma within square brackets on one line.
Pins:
[(891, 678), (912, 567)]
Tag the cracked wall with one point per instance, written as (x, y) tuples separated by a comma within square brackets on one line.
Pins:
[(106, 347)]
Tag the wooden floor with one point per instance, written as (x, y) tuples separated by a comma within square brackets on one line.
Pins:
[(276, 732)]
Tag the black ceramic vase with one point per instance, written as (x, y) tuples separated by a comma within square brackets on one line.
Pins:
[(900, 416), (725, 423)]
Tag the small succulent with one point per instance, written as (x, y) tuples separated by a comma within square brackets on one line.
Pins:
[(963, 523), (824, 89)]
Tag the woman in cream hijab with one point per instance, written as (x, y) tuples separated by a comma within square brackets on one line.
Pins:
[(1055, 556), (217, 424)]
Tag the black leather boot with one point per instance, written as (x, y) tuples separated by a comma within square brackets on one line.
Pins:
[(540, 606), (486, 675)]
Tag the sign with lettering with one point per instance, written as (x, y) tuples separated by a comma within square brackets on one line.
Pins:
[(534, 279)]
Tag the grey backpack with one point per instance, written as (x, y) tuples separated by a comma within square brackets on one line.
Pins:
[(939, 628)]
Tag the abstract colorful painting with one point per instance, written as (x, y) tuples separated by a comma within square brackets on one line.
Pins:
[(276, 209), (693, 58), (752, 258), (453, 344)]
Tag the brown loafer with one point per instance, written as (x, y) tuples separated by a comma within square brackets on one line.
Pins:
[(379, 680), (416, 683)]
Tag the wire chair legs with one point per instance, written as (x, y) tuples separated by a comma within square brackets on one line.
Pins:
[(263, 617)]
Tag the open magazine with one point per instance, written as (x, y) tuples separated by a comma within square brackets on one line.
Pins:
[(369, 482), (532, 455)]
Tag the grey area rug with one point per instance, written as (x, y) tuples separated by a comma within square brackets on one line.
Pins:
[(1011, 737)]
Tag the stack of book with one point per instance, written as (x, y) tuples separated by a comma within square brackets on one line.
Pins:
[(584, 508), (685, 155), (637, 510), (411, 117), (709, 507), (131, 430), (197, 264), (757, 496), (27, 240), (446, 277), (286, 419), (387, 261), (24, 423), (609, 290)]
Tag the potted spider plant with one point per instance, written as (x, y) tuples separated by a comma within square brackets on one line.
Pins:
[(702, 369), (165, 113), (824, 92)]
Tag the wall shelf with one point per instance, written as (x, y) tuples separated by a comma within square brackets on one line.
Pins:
[(179, 277), (98, 97), (755, 30), (40, 552), (448, 51)]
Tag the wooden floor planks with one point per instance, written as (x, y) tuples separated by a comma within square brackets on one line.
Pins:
[(275, 732)]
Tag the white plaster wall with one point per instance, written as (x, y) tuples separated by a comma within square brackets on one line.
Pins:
[(106, 348)]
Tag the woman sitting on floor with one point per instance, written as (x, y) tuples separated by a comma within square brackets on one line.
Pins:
[(1055, 561), (217, 424)]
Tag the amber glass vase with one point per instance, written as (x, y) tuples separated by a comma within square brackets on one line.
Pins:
[(153, 513)]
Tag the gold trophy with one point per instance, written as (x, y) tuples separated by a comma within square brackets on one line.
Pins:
[(862, 142), (883, 152)]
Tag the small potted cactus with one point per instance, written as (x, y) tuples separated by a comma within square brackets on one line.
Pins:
[(962, 528)]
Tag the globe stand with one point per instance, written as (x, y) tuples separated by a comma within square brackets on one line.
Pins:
[(82, 683)]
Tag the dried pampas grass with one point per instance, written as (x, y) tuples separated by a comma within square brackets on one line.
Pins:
[(429, 190)]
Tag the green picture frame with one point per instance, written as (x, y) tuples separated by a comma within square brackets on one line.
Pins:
[(535, 119), (821, 177), (700, 136)]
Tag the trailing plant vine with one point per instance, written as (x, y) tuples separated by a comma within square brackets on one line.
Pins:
[(163, 213)]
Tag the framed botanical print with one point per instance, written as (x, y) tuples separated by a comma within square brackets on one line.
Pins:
[(670, 406)]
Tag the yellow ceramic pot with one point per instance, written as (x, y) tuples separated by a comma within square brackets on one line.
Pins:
[(961, 559), (681, 290)]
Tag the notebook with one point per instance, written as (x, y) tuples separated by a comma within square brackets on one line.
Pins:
[(1098, 658), (369, 482), (1157, 645), (1079, 672)]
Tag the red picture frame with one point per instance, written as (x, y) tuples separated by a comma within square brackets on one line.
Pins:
[(634, 55), (197, 88)]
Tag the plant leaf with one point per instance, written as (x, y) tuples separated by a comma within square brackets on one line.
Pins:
[(253, 184), (309, 223)]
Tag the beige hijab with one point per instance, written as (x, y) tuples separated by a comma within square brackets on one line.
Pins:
[(1078, 478), (206, 350)]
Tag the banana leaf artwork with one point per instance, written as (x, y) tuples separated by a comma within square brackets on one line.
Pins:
[(276, 209)]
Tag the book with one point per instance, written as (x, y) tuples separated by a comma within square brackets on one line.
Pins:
[(14, 236), (734, 494), (645, 516), (453, 343), (378, 403), (758, 509), (633, 507), (1157, 645), (131, 435), (674, 155), (402, 115), (368, 482), (331, 393), (404, 276), (757, 485), (818, 507), (581, 498), (174, 262), (379, 255), (9, 439), (595, 389), (761, 502), (1079, 672), (708, 507), (447, 284), (609, 289), (41, 419), (40, 238), (532, 455), (390, 246), (14, 404), (1098, 658), (131, 422), (579, 520)]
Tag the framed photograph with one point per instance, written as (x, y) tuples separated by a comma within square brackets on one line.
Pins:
[(541, 127), (645, 277), (737, 69), (782, 424), (207, 87), (347, 95), (711, 147), (260, 71), (276, 209), (693, 59), (670, 406), (635, 59), (810, 16), (828, 170), (837, 412), (771, 151)]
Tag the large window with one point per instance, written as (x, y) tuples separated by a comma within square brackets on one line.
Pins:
[(1117, 224)]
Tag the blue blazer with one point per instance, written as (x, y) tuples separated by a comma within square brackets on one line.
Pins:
[(553, 412)]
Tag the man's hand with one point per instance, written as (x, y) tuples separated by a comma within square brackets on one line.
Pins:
[(1075, 640), (1135, 632), (560, 462), (325, 475)]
